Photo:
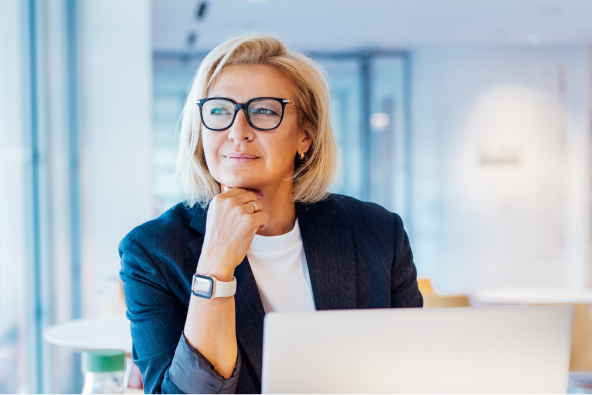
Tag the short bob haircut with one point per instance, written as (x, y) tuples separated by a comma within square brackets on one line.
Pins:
[(315, 173)]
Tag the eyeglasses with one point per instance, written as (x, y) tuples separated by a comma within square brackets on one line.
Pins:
[(262, 113)]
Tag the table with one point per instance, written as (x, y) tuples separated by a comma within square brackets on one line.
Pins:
[(534, 295), (109, 332)]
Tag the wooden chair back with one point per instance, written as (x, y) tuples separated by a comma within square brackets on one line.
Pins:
[(438, 301), (425, 286), (581, 341)]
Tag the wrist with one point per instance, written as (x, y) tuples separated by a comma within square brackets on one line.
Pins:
[(221, 273), (209, 287), (224, 277)]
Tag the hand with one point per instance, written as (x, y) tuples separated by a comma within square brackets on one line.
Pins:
[(231, 226)]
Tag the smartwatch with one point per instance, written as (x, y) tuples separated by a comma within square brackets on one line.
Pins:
[(206, 286)]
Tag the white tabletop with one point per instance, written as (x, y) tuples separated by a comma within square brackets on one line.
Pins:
[(108, 332), (534, 295)]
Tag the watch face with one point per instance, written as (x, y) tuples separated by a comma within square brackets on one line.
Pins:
[(202, 286)]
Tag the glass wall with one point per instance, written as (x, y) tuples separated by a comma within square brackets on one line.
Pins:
[(15, 202), (172, 77), (14, 162), (75, 136), (389, 140), (368, 114), (346, 89)]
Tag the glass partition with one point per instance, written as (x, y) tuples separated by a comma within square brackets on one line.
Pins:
[(344, 80), (368, 114), (171, 81), (388, 133)]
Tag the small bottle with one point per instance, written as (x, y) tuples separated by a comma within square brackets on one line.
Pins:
[(103, 371)]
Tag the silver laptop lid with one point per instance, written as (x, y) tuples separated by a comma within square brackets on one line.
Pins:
[(453, 350)]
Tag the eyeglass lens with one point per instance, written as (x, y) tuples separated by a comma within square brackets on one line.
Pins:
[(263, 113)]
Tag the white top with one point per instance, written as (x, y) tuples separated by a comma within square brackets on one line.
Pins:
[(279, 266), (534, 295)]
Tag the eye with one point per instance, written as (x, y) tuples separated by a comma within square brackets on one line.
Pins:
[(262, 111), (219, 111)]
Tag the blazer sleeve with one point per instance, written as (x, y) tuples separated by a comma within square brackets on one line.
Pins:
[(404, 288), (168, 363)]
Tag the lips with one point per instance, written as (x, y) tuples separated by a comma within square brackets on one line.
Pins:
[(240, 157)]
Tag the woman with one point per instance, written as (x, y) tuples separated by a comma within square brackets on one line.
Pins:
[(258, 232)]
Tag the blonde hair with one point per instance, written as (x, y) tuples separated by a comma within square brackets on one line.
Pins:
[(313, 175)]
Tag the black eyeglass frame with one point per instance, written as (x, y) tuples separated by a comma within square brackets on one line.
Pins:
[(244, 106)]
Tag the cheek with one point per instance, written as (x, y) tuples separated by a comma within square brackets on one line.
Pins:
[(282, 151), (211, 145)]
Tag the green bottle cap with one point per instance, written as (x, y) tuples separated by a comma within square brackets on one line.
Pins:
[(103, 361)]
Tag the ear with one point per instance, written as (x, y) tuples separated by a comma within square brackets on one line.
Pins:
[(305, 142)]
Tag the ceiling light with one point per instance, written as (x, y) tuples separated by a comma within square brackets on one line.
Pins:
[(202, 8), (380, 121)]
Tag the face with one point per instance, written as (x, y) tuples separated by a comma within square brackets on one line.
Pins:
[(242, 156)]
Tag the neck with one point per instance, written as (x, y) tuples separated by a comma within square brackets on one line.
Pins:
[(280, 208)]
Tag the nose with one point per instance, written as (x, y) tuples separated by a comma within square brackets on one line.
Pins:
[(240, 129)]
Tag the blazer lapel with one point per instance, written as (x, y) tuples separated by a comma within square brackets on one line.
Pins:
[(249, 308), (330, 256), (249, 315)]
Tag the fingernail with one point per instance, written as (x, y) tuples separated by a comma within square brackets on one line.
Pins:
[(225, 188), (260, 193)]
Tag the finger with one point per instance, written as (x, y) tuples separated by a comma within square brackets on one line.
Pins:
[(251, 207), (230, 192), (258, 206), (259, 220), (226, 188), (246, 197)]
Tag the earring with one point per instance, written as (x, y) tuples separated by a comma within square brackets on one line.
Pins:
[(302, 155)]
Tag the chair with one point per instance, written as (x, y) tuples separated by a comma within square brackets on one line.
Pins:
[(433, 300), (581, 343), (438, 301), (425, 286)]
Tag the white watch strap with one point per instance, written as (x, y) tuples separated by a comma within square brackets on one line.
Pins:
[(224, 289)]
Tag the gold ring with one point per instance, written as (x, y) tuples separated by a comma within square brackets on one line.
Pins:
[(254, 206)]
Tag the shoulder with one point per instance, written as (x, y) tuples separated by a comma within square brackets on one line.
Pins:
[(358, 213), (355, 206), (173, 224)]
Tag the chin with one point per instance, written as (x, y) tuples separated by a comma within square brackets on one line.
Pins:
[(240, 182)]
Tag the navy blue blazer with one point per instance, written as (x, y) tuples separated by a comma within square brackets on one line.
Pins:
[(358, 257)]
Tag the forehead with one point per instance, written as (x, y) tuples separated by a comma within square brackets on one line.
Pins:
[(244, 82)]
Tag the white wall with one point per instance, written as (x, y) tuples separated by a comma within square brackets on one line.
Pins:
[(501, 169), (116, 127)]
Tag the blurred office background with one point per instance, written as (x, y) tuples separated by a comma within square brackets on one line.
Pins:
[(471, 119)]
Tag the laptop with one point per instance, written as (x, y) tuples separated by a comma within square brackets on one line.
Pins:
[(521, 349)]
